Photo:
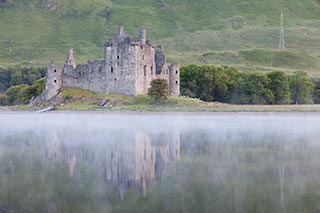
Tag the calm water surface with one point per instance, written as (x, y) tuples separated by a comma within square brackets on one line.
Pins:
[(95, 162)]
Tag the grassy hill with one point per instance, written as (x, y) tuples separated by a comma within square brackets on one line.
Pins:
[(226, 32)]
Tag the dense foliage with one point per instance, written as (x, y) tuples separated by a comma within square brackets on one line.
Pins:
[(211, 83), (159, 89), (19, 75), (18, 85), (301, 88), (23, 93)]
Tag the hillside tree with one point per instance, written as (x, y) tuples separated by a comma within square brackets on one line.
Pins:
[(279, 86), (301, 87)]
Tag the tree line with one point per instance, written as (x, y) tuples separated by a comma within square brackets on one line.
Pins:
[(19, 84), (229, 85)]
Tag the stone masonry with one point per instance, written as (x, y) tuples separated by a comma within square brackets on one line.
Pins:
[(128, 68)]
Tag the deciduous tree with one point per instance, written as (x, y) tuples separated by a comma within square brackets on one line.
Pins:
[(301, 88), (159, 89)]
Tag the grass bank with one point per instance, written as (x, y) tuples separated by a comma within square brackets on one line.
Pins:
[(83, 100)]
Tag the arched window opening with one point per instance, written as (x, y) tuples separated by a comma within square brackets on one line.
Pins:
[(55, 70), (111, 69), (151, 70)]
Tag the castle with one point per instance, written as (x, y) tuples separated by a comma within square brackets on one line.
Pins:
[(128, 67)]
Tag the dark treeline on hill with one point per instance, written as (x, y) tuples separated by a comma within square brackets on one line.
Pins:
[(18, 85), (228, 85)]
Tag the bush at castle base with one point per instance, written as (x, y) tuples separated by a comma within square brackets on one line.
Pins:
[(159, 89)]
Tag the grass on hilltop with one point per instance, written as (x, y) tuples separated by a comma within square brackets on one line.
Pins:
[(189, 30)]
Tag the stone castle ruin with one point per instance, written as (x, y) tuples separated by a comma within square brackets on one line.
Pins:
[(128, 68)]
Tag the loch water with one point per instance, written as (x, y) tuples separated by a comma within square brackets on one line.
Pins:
[(159, 162)]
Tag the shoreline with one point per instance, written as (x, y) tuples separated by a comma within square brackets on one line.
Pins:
[(200, 113), (182, 107)]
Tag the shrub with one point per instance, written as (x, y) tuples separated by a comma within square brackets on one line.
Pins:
[(159, 89), (3, 99)]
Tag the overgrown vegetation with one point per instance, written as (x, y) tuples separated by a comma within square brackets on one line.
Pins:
[(22, 94), (14, 76), (159, 89), (19, 84), (211, 83)]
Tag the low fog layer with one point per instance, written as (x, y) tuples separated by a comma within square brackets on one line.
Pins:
[(177, 162)]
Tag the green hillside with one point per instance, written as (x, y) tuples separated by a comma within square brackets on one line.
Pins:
[(226, 32)]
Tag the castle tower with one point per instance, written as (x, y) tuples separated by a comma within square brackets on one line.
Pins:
[(70, 59), (143, 37), (282, 44), (174, 79), (53, 81)]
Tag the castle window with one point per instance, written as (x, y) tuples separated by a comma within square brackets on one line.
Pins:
[(177, 72), (55, 81), (55, 70), (111, 69), (176, 82), (115, 79), (118, 57), (118, 64), (142, 57), (145, 70), (151, 70)]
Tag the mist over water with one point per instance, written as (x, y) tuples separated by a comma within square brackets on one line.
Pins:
[(95, 162)]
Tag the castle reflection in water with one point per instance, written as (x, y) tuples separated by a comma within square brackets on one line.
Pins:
[(128, 159)]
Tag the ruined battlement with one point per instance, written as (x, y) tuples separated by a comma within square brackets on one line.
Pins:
[(128, 67)]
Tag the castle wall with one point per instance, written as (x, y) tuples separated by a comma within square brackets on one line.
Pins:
[(120, 60), (146, 68), (116, 74), (90, 76)]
